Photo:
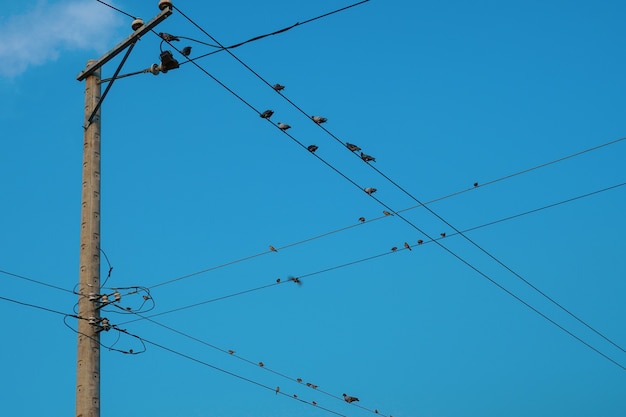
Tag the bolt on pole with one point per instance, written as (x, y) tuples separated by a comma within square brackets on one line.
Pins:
[(88, 359)]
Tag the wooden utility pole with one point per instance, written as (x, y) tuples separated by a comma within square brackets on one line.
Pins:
[(88, 359), (89, 298)]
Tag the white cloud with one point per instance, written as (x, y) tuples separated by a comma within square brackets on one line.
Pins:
[(43, 33)]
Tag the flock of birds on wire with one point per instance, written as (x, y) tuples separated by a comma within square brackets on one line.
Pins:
[(267, 114)]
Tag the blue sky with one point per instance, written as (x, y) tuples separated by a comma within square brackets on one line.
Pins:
[(443, 95)]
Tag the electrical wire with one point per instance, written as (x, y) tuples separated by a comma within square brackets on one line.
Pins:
[(452, 253), (493, 181), (372, 257), (110, 268), (115, 8), (430, 210), (251, 381), (211, 300), (482, 249), (37, 307), (36, 282), (253, 363)]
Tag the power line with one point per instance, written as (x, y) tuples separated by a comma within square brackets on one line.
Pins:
[(255, 364), (410, 223), (455, 255), (389, 253), (493, 181), (38, 307), (115, 8), (233, 374), (490, 255), (35, 281)]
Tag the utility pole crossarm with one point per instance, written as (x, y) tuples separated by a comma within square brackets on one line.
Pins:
[(125, 43)]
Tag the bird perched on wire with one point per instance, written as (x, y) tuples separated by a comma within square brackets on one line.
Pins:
[(283, 126), (273, 249), (420, 241), (278, 87), (230, 351), (312, 148), (349, 399), (277, 280), (267, 114), (443, 234), (362, 219), (406, 245), (367, 158), (295, 280), (386, 213), (167, 37), (277, 390), (352, 147), (299, 379), (370, 190), (261, 364), (395, 248), (186, 51), (319, 119)]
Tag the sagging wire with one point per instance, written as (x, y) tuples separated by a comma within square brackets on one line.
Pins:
[(114, 296), (110, 268)]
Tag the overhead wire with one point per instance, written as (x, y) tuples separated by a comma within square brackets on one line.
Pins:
[(455, 255), (255, 364), (235, 375), (482, 249), (379, 255), (38, 307), (456, 193), (36, 281), (404, 219)]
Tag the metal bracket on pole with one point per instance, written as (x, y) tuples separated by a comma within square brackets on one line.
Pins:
[(106, 90), (134, 37)]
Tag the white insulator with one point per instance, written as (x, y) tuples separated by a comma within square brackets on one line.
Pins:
[(165, 3), (93, 296), (106, 325), (137, 23), (117, 296), (105, 299), (92, 320)]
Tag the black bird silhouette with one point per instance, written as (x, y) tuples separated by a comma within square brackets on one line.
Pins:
[(312, 148), (370, 190), (349, 399), (352, 147), (186, 51), (367, 158), (267, 114), (167, 37), (319, 119), (278, 87)]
